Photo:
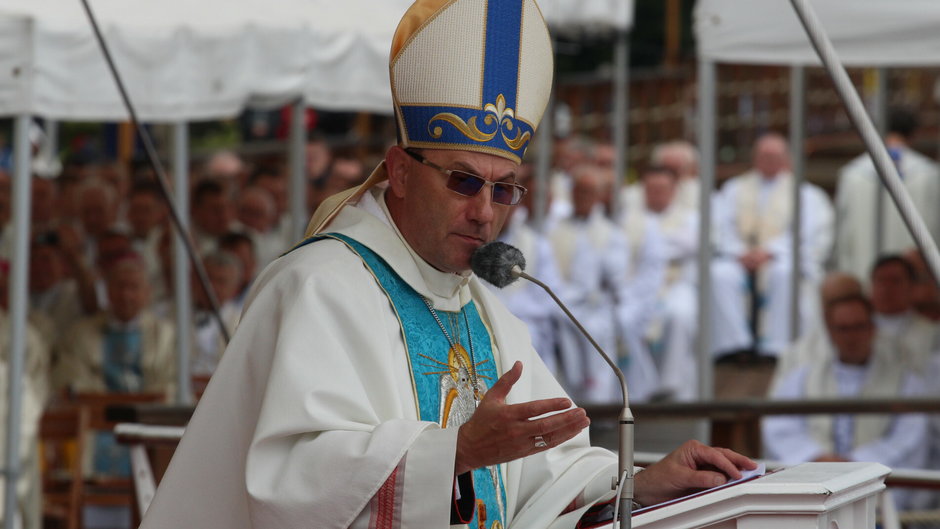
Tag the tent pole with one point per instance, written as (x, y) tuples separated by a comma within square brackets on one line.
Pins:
[(18, 305), (797, 121), (873, 142), (621, 132), (181, 270), (297, 160), (707, 102), (880, 116)]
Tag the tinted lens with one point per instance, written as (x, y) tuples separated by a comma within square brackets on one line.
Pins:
[(465, 183), (506, 194)]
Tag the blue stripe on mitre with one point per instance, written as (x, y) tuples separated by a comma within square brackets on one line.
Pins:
[(457, 126), (494, 126), (501, 55)]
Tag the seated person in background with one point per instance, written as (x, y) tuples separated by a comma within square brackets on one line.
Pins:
[(753, 225), (600, 276), (257, 212), (892, 296), (526, 300), (213, 214), (859, 189), (667, 319), (123, 349), (926, 294), (857, 366), (52, 294), (225, 276), (836, 285), (242, 247)]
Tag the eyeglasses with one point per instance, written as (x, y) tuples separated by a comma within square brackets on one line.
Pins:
[(469, 184)]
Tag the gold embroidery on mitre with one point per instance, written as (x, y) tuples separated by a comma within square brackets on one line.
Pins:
[(495, 113), (467, 128)]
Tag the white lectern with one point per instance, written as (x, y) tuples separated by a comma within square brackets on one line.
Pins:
[(808, 496)]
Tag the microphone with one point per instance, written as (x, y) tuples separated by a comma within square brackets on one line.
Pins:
[(502, 264)]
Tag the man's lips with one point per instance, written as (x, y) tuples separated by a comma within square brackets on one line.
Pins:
[(471, 238)]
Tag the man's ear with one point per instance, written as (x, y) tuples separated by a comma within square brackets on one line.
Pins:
[(397, 163)]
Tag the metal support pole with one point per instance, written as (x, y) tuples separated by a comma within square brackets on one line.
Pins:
[(798, 158), (621, 132), (18, 305), (298, 177), (181, 269), (873, 142), (880, 112), (707, 78)]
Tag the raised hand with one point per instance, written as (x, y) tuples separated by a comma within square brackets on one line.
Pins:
[(499, 432)]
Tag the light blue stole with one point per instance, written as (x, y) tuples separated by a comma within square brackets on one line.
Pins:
[(443, 382)]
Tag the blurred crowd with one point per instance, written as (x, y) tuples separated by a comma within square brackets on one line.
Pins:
[(624, 258)]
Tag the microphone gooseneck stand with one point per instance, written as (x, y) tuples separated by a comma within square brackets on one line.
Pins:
[(625, 455)]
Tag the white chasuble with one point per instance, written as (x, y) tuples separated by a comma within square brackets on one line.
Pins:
[(311, 418)]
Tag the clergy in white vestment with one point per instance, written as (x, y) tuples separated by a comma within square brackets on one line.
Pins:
[(801, 352), (224, 272), (753, 218), (123, 349), (608, 289), (51, 293), (679, 156), (257, 211), (670, 317), (591, 254), (892, 295), (859, 189), (851, 364), (524, 299), (374, 381)]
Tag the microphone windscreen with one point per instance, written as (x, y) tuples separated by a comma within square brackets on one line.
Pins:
[(494, 261)]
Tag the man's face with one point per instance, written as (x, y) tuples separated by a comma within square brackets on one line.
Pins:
[(659, 190), (277, 186), (245, 253), (771, 156), (255, 213), (585, 194), (128, 291), (213, 214), (852, 332), (144, 213), (96, 211), (45, 267), (111, 247), (891, 289), (444, 227)]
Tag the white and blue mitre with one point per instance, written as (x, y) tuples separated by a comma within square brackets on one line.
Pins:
[(471, 75)]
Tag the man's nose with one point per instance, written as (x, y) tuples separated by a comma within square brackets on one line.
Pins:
[(481, 209)]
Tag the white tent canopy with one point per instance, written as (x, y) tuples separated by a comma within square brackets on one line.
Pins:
[(185, 60), (864, 32)]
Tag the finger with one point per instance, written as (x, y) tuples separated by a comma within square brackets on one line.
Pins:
[(501, 387), (534, 408), (739, 460), (559, 435), (704, 479), (572, 421), (718, 459)]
